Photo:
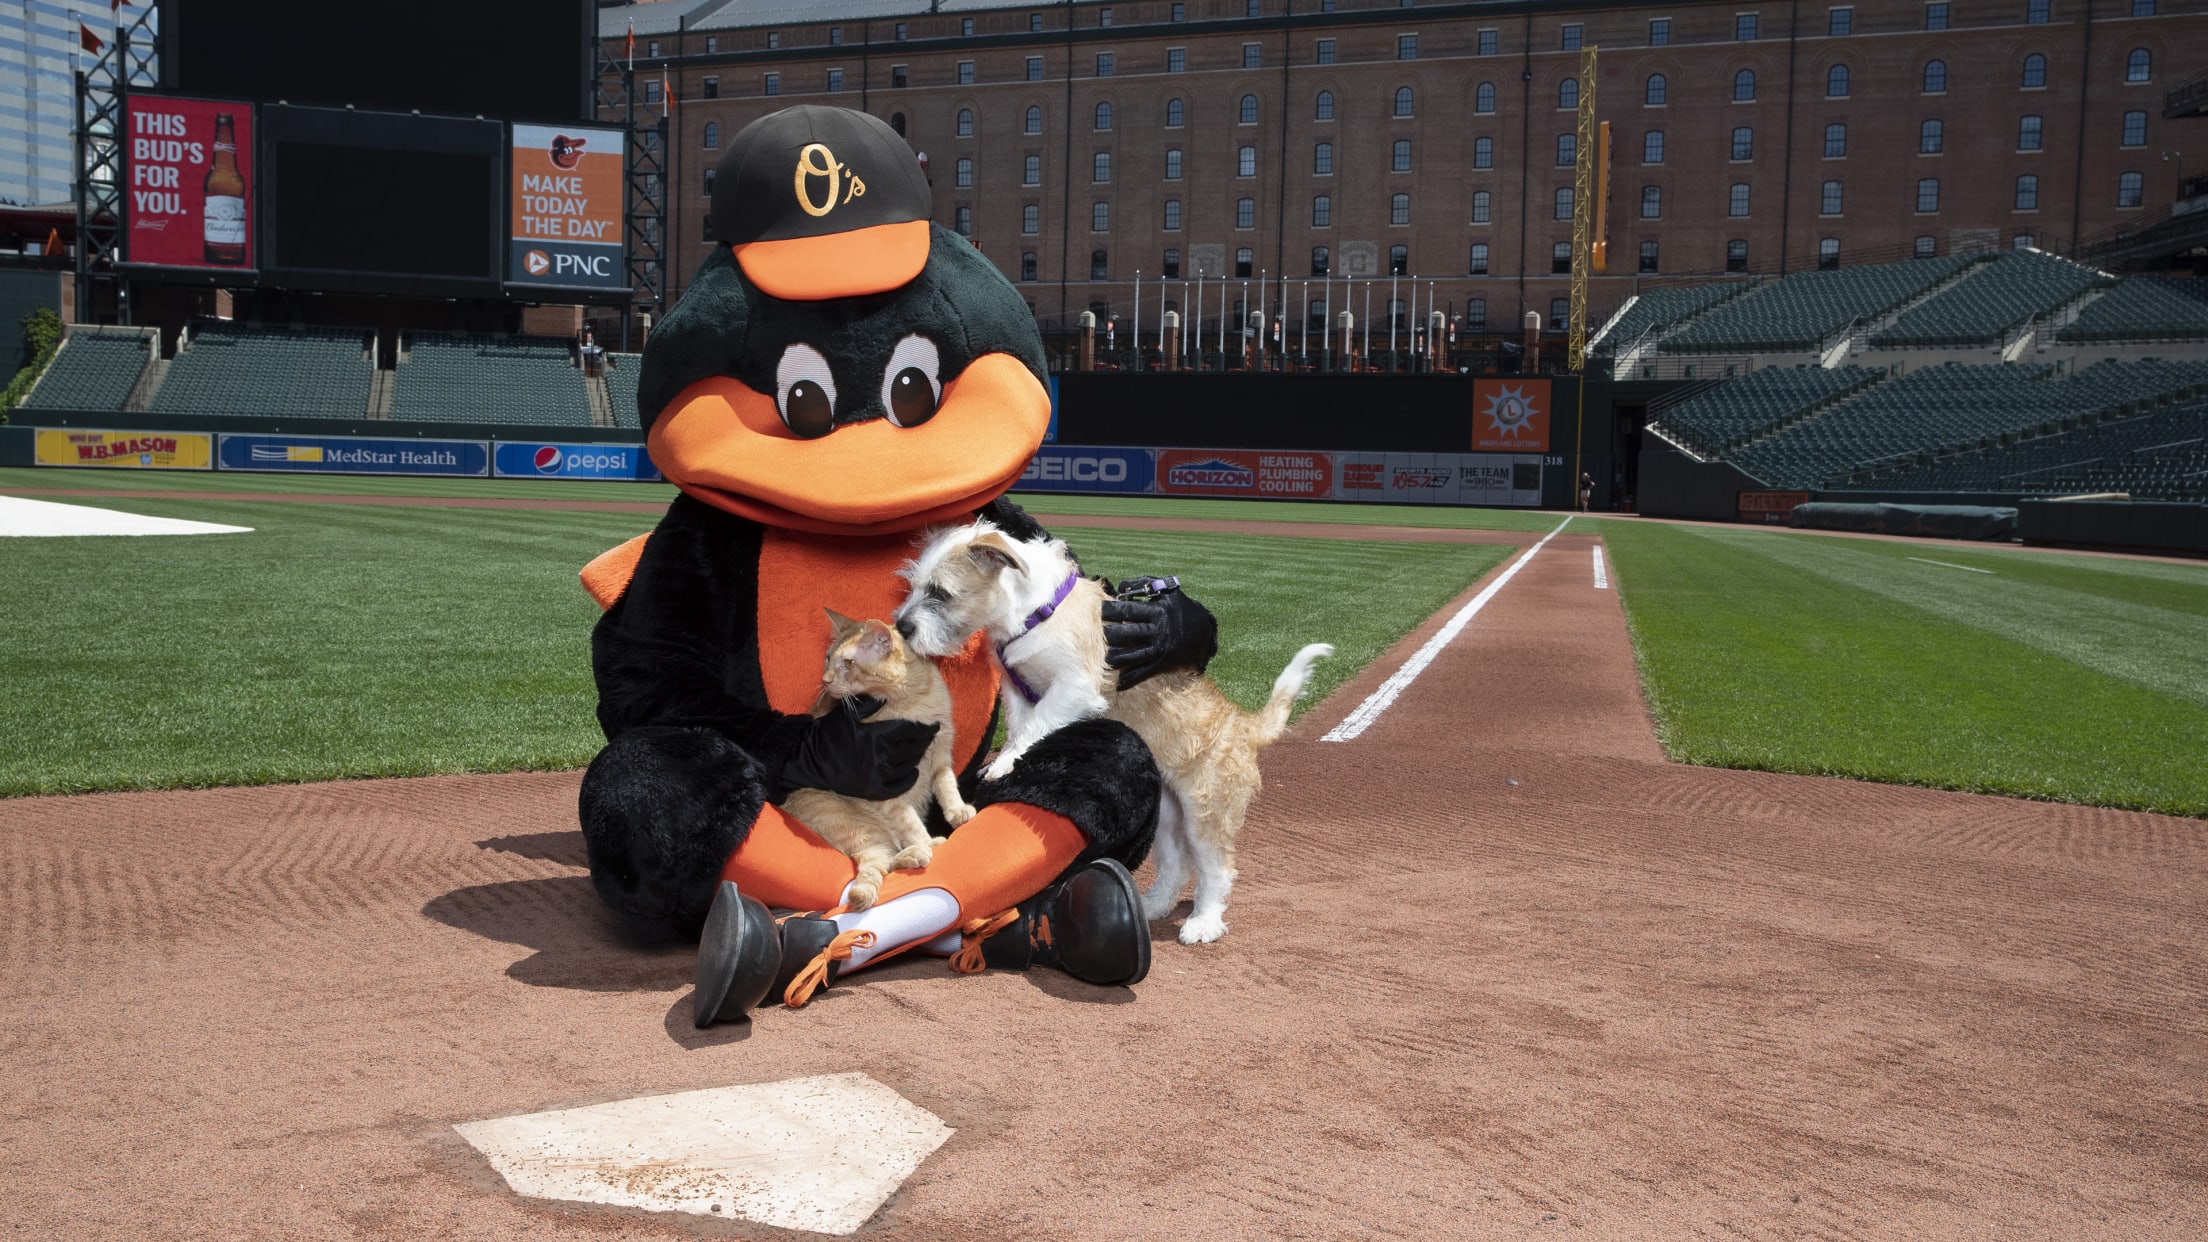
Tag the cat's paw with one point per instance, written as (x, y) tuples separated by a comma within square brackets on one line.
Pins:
[(861, 894), (1002, 768), (913, 856), (957, 813)]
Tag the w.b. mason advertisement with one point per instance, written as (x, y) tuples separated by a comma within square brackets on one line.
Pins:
[(566, 224)]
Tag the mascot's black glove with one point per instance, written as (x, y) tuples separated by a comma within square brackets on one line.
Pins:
[(1148, 631), (843, 754)]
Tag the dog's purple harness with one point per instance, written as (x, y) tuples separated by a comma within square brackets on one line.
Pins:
[(1034, 619)]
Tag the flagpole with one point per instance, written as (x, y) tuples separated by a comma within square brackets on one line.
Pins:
[(1135, 334), (1368, 318)]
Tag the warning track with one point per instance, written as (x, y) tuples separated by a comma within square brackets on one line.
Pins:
[(1495, 966)]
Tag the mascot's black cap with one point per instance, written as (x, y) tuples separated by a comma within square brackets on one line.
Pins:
[(822, 203)]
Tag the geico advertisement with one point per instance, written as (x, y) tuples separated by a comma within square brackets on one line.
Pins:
[(126, 450), (566, 227), (1061, 468), (534, 459)]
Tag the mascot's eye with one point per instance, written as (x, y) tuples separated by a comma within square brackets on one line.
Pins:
[(910, 387), (805, 392)]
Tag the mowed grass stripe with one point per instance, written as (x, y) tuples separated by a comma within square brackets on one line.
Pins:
[(1436, 517), (188, 482), (342, 641), (1789, 653)]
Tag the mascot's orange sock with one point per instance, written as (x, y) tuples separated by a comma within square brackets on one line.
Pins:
[(996, 860)]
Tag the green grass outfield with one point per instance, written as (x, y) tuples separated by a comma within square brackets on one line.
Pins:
[(357, 640), (2062, 677)]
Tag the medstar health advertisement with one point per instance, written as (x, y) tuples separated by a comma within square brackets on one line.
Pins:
[(189, 197), (567, 209)]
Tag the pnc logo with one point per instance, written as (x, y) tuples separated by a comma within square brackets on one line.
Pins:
[(816, 160), (537, 262)]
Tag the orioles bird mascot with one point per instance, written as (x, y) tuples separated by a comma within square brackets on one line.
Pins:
[(841, 375)]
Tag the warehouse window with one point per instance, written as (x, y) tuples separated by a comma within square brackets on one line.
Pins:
[(966, 72), (1322, 160), (1403, 101), (1828, 203), (1247, 113), (1736, 255), (1173, 164), (1475, 315), (712, 136), (1482, 206), (1935, 77), (1652, 202), (1321, 261), (1100, 218), (1930, 137), (1172, 264), (1479, 259), (1100, 267), (2129, 189), (1570, 36), (1105, 63), (2139, 67), (1399, 209), (1744, 143), (1322, 212), (1487, 43), (1483, 153), (1567, 94), (1836, 82), (1400, 159), (1744, 86), (1034, 68), (1744, 27), (1928, 246), (1483, 98), (1406, 47), (963, 221), (1172, 215), (1648, 256), (1828, 252), (965, 172), (1567, 150), (1172, 114), (1176, 59), (1100, 168), (1399, 260), (2027, 193), (1563, 203), (1326, 106), (965, 122), (1935, 17), (1652, 147), (1031, 218), (2135, 129), (1245, 162), (1836, 141), (1657, 89), (1253, 56), (1839, 22), (1928, 195), (1104, 115), (1324, 54), (1245, 213), (1031, 170), (2035, 72), (1737, 203), (2027, 133)]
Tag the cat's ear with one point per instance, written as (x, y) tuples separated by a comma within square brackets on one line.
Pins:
[(876, 641), (843, 625)]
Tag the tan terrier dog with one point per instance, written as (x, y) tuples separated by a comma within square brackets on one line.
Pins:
[(1047, 624), (868, 659)]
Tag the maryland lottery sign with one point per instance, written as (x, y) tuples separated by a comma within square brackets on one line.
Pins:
[(189, 177), (566, 227)]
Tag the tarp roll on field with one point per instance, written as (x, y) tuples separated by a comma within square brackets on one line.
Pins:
[(1942, 521)]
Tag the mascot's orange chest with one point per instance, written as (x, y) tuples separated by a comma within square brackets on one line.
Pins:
[(801, 574)]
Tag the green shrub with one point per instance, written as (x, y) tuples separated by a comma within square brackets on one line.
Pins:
[(41, 337)]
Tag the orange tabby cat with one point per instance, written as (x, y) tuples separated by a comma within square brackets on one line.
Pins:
[(869, 658)]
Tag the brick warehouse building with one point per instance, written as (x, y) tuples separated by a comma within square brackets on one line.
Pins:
[(1083, 145)]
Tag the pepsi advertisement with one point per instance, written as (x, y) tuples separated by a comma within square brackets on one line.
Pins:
[(346, 455), (1071, 468), (532, 459)]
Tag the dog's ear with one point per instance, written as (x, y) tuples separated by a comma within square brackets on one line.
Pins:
[(843, 625), (991, 553)]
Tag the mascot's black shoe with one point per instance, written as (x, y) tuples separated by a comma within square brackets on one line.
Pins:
[(746, 956), (1088, 924)]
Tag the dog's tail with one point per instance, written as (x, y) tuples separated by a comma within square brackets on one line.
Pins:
[(1272, 720)]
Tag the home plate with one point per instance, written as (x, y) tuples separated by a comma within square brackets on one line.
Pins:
[(819, 1154), (34, 518)]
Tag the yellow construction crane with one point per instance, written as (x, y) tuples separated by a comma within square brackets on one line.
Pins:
[(1590, 223)]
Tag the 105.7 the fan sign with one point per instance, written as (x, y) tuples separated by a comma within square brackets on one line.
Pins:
[(188, 199)]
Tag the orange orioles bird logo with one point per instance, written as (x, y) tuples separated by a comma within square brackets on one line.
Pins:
[(566, 152), (816, 160)]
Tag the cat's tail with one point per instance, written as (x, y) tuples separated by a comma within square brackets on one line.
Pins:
[(1272, 720)]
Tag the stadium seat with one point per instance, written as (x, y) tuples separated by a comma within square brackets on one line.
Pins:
[(1737, 411), (510, 381), (1806, 309), (1662, 309), (92, 371), (2143, 308), (267, 372), (1993, 301), (621, 373)]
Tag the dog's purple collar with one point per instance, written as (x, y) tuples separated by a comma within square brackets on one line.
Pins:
[(1034, 619)]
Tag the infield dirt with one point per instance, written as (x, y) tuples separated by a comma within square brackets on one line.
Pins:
[(1495, 967)]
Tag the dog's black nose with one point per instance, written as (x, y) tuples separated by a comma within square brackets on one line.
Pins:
[(904, 628)]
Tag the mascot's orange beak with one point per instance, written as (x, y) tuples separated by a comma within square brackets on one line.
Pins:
[(726, 445)]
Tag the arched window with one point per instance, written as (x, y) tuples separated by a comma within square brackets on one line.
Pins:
[(1482, 206), (1322, 160), (1322, 212), (1399, 209), (1928, 246), (1744, 86), (1828, 203), (1104, 115), (1321, 261), (2139, 66), (1567, 93), (963, 221), (1930, 136), (2027, 193), (1400, 158), (1928, 194), (712, 135), (1172, 214), (1100, 217), (1836, 141), (1652, 202), (1247, 114), (1483, 97), (965, 172), (966, 122), (1656, 92), (1100, 169), (896, 119), (1652, 147), (1245, 213), (1399, 260), (2027, 133), (1563, 202), (1828, 254), (2035, 72), (1836, 82), (1483, 153), (1479, 260), (2135, 129), (1172, 114), (1403, 101), (1935, 77), (1034, 120), (2129, 189), (1326, 106)]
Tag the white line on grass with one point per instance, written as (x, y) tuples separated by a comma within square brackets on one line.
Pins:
[(1379, 700), (1602, 576), (1944, 564)]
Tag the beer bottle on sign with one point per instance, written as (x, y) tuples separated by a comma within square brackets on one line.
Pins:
[(224, 213)]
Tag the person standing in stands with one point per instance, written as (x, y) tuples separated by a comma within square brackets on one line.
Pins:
[(1586, 491)]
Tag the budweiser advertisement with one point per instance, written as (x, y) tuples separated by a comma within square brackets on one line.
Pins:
[(566, 230), (190, 183), (1510, 415)]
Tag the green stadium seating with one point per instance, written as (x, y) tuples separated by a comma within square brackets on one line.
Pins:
[(621, 373), (265, 372), (1662, 308), (1985, 306), (510, 381), (2143, 308), (91, 371), (2161, 455), (1804, 310), (1738, 410)]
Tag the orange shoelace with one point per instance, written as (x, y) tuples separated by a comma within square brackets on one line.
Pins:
[(815, 974), (968, 960)]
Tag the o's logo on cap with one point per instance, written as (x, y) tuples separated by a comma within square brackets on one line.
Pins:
[(826, 166)]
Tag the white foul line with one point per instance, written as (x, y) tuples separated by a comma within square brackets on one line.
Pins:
[(1380, 700), (1943, 564), (1602, 576)]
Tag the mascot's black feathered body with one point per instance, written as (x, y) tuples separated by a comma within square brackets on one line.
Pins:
[(841, 375)]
